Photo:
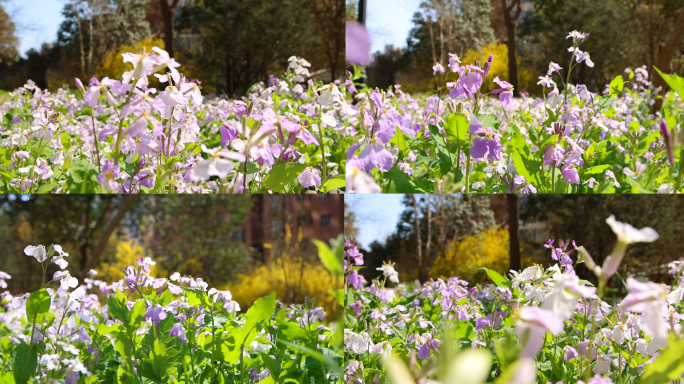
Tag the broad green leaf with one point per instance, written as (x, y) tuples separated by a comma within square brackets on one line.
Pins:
[(402, 182), (37, 306), (283, 174), (668, 366), (488, 121), (332, 262), (674, 81), (197, 298), (135, 316), (456, 127), (497, 278), (117, 306), (333, 183), (159, 359), (616, 86), (24, 364), (399, 139), (597, 169), (260, 312)]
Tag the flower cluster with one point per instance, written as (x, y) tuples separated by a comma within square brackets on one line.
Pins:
[(470, 139), (125, 136), (144, 329), (536, 325)]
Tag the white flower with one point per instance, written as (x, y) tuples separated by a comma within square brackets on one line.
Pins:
[(628, 234), (358, 181), (603, 363), (388, 270), (59, 260), (330, 95), (66, 281), (36, 251), (357, 342)]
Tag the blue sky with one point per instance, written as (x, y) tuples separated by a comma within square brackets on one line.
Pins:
[(389, 22), (377, 215), (37, 21)]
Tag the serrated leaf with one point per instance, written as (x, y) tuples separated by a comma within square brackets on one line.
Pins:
[(616, 86), (456, 127)]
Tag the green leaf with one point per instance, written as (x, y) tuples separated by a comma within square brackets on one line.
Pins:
[(117, 306), (488, 121), (82, 177), (330, 261), (333, 183), (402, 182), (24, 364), (597, 169), (668, 366), (159, 359), (616, 86), (135, 316), (197, 298), (399, 139), (456, 127), (497, 278), (37, 306), (8, 378), (260, 312), (675, 82), (283, 174)]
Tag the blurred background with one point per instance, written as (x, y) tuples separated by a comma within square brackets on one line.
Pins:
[(251, 245), (227, 44), (409, 36), (459, 234)]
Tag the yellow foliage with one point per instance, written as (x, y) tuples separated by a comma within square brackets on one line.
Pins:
[(126, 251), (112, 65), (291, 276), (464, 259), (499, 66)]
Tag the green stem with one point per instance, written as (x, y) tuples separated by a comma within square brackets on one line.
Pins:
[(120, 131), (678, 186)]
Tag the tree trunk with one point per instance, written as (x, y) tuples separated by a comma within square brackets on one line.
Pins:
[(513, 232), (665, 53), (80, 40), (511, 21), (168, 13), (126, 204), (416, 224)]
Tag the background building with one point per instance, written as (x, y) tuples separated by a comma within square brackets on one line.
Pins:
[(319, 217)]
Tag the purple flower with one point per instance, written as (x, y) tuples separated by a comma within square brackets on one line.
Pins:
[(375, 155), (437, 68), (357, 307), (505, 92), (228, 133), (472, 82), (108, 176), (570, 353), (537, 322), (310, 177), (155, 313), (486, 145), (179, 331), (669, 141), (553, 155), (358, 44), (570, 174)]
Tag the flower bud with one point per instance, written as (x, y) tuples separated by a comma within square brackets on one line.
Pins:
[(488, 65)]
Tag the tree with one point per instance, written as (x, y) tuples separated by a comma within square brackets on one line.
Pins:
[(330, 19), (168, 10), (242, 42), (511, 10), (666, 51), (8, 40)]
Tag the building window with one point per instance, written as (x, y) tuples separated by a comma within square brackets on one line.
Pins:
[(323, 196), (276, 227), (326, 220), (302, 220), (301, 198), (239, 234), (274, 203)]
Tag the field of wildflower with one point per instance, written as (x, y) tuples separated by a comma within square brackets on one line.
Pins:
[(469, 139), (538, 325), (146, 329), (123, 136)]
